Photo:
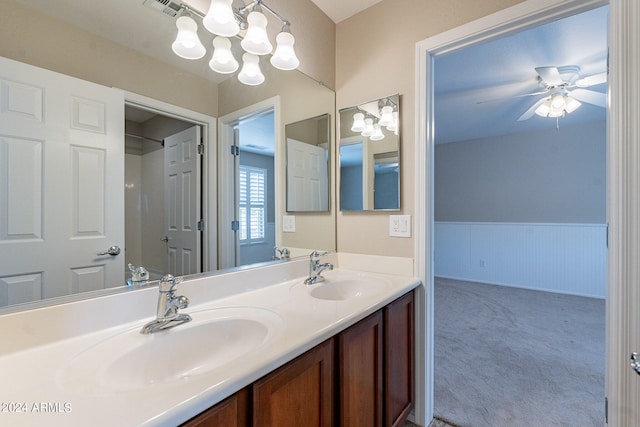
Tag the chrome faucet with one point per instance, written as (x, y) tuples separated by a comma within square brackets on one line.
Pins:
[(139, 275), (167, 315), (315, 268), (281, 254)]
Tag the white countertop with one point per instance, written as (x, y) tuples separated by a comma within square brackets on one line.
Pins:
[(34, 392)]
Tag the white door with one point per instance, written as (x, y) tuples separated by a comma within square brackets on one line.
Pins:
[(182, 201), (307, 180), (61, 184)]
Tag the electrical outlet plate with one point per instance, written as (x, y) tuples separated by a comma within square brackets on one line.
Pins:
[(400, 225), (289, 223)]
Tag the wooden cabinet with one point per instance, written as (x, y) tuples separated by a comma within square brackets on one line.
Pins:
[(360, 373), (298, 394), (398, 360), (364, 377), (231, 412)]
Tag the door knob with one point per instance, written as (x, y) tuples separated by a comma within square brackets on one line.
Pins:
[(164, 239), (635, 362), (113, 251)]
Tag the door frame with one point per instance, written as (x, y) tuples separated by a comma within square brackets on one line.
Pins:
[(623, 187), (209, 173), (226, 241)]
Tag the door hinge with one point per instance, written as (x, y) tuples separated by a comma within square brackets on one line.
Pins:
[(606, 410), (607, 240), (201, 149), (200, 225), (235, 225), (235, 150)]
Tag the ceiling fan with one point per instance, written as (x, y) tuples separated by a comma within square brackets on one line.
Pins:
[(565, 91)]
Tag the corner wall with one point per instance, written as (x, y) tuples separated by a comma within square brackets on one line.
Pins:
[(375, 57)]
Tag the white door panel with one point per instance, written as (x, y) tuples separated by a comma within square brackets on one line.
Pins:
[(182, 198), (61, 184), (307, 182)]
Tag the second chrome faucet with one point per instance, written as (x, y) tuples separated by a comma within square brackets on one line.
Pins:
[(316, 269)]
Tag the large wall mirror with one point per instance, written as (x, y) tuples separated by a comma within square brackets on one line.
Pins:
[(308, 142), (149, 132), (369, 153)]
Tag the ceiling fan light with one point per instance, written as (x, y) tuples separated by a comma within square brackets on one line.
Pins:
[(571, 104), (187, 44), (220, 20), (284, 57), (368, 127), (544, 108), (386, 117), (358, 123), (251, 74), (222, 60), (256, 40), (557, 102), (377, 134)]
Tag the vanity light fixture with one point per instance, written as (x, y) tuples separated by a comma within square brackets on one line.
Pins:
[(386, 116), (358, 123), (223, 20), (368, 127), (284, 57), (377, 134), (222, 60), (187, 44), (251, 74)]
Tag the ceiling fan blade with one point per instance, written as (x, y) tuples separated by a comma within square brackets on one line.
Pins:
[(512, 96), (550, 75), (590, 97), (531, 111), (592, 80)]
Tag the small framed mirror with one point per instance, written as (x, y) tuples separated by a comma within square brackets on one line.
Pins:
[(370, 156), (307, 148)]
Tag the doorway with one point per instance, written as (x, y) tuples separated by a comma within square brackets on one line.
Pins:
[(169, 162), (525, 15)]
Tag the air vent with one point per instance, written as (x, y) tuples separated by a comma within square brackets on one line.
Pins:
[(167, 7)]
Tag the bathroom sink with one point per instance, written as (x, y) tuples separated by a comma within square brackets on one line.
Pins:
[(339, 289), (130, 360)]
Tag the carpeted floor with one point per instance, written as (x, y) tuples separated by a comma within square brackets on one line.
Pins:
[(514, 357)]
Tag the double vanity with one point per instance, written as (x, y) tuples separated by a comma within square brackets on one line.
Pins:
[(255, 336)]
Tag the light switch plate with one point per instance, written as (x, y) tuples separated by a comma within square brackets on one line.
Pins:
[(400, 225), (289, 223)]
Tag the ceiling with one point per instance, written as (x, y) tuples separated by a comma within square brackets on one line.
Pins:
[(475, 87), (339, 10)]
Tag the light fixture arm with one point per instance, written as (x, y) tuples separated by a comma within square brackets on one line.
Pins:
[(260, 3)]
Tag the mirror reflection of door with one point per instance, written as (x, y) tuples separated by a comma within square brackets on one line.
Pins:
[(163, 200), (255, 222), (60, 184)]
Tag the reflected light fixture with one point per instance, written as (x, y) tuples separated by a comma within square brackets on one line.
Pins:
[(187, 44), (251, 74), (377, 134), (386, 116), (220, 20), (368, 127), (222, 60), (225, 21), (358, 122)]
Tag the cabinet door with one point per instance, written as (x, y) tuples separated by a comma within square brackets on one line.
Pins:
[(361, 373), (399, 353), (298, 394), (231, 412)]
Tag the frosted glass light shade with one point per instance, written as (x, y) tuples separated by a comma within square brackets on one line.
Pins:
[(251, 74), (377, 134), (187, 44), (544, 108), (358, 122), (220, 20), (222, 60), (284, 57), (256, 40), (386, 117), (368, 127), (393, 126), (571, 104)]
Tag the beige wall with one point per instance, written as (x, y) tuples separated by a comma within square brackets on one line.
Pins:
[(375, 57)]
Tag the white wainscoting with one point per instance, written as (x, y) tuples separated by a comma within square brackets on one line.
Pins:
[(563, 258)]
